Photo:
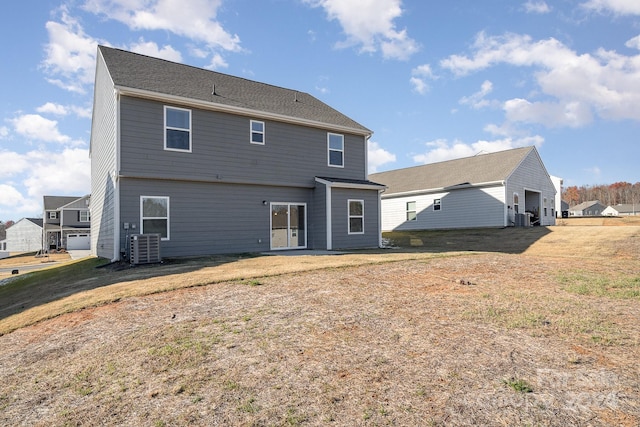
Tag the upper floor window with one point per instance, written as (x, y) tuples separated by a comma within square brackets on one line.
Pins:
[(154, 215), (336, 149), (53, 215), (84, 216), (257, 132), (412, 214), (356, 216), (437, 204), (177, 129)]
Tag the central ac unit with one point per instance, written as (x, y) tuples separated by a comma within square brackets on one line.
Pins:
[(145, 249)]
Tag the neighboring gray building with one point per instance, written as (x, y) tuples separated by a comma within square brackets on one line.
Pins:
[(221, 164), (622, 210), (590, 208), (24, 236), (486, 190), (67, 222)]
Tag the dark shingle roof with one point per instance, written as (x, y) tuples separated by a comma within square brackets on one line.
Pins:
[(52, 203), (482, 168), (36, 221), (140, 72), (351, 181)]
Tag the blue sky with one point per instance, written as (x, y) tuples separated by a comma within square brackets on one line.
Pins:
[(433, 80)]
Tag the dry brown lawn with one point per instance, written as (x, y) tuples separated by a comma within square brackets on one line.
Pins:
[(477, 327)]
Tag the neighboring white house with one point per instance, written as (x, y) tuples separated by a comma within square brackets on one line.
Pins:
[(557, 183), (500, 189), (622, 210), (590, 208), (25, 236)]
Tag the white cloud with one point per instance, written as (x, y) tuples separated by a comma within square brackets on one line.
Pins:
[(4, 132), (370, 25), (633, 43), (477, 100), (39, 172), (605, 83), (36, 127), (70, 54), (540, 7), (551, 114), (52, 108), (441, 149), (217, 62), (15, 202), (195, 19), (419, 76), (619, 7), (378, 156), (152, 49), (66, 172)]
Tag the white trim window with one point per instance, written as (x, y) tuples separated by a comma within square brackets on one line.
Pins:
[(154, 215), (437, 204), (412, 213), (177, 129), (53, 215), (84, 216), (257, 132), (516, 203), (356, 216), (335, 150)]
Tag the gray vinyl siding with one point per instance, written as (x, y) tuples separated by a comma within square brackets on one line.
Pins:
[(103, 163), (210, 218), (292, 155), (71, 218), (531, 176), (340, 219), (318, 218)]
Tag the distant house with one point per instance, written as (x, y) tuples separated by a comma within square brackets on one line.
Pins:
[(486, 190), (559, 205), (622, 210), (221, 164), (590, 208), (67, 222), (24, 236)]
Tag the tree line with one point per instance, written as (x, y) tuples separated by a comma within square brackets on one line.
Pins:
[(608, 194)]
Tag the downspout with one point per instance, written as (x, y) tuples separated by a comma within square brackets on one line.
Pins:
[(329, 219), (116, 184)]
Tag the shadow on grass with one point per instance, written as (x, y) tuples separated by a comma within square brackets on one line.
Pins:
[(41, 287), (512, 240), (45, 286)]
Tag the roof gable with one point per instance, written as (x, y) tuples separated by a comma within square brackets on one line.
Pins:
[(479, 169), (52, 203), (165, 78)]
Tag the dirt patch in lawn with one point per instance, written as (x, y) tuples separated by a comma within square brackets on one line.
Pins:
[(423, 339)]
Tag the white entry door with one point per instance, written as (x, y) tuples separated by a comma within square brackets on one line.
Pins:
[(288, 225)]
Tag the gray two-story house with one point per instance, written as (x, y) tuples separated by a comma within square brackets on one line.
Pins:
[(66, 222), (221, 164)]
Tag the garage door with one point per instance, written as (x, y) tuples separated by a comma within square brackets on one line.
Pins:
[(78, 241)]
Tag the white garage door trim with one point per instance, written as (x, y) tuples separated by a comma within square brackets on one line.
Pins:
[(78, 241)]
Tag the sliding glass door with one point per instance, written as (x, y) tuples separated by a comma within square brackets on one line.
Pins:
[(288, 226)]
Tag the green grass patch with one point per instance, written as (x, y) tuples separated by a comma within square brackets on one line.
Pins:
[(56, 275), (519, 385), (581, 283)]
